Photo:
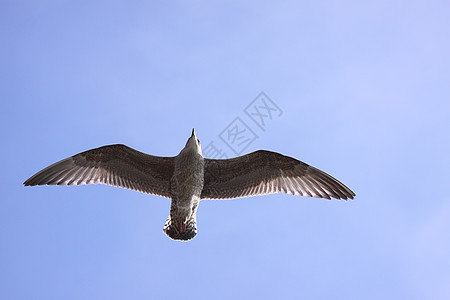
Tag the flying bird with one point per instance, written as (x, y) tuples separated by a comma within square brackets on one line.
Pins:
[(189, 177)]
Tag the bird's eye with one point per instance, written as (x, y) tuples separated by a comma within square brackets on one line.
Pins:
[(198, 140)]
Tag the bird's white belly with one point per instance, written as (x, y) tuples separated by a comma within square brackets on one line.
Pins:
[(187, 189), (187, 181)]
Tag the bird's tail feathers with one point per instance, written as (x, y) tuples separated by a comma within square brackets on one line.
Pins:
[(179, 228)]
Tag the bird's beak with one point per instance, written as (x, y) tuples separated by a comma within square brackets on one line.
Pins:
[(193, 132)]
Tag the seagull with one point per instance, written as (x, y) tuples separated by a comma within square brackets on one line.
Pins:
[(189, 177)]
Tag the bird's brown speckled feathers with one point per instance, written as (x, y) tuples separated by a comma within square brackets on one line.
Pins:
[(115, 165), (265, 172)]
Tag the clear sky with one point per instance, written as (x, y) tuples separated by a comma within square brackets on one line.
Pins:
[(363, 91)]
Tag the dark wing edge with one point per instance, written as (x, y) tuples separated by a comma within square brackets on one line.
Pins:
[(114, 165), (265, 172)]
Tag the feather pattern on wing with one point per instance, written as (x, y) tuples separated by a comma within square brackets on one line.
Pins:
[(115, 165), (265, 172)]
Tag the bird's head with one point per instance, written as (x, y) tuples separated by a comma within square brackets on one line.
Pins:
[(193, 143)]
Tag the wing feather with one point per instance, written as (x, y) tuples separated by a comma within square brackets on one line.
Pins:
[(264, 172), (116, 165)]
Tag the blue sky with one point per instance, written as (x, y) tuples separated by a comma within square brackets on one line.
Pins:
[(364, 90)]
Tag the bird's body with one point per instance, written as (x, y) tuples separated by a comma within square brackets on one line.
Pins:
[(189, 177), (186, 187)]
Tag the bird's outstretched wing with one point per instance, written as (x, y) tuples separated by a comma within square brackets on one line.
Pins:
[(264, 172), (116, 165)]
